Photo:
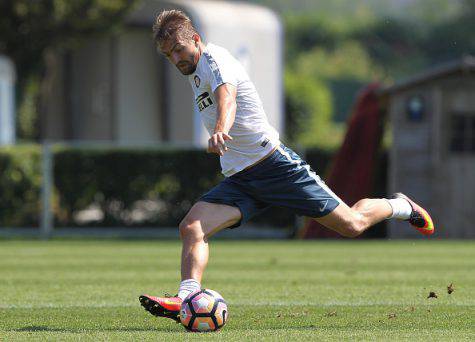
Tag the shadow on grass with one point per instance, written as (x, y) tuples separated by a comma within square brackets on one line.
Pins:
[(286, 327), (34, 328), (40, 328)]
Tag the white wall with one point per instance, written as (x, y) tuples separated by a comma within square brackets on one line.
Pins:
[(91, 80), (138, 92), (7, 101)]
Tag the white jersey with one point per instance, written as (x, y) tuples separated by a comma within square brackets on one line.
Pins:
[(253, 136)]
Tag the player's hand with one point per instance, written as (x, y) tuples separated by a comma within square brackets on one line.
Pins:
[(217, 143)]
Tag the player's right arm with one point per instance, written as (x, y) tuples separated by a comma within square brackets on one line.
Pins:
[(225, 96)]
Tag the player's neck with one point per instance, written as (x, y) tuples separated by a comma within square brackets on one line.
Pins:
[(201, 47)]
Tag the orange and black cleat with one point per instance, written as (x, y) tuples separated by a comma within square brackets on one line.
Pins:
[(420, 218), (167, 306)]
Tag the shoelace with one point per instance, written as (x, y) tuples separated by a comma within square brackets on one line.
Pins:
[(167, 295)]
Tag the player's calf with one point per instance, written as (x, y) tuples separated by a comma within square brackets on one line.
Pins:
[(354, 228), (346, 221)]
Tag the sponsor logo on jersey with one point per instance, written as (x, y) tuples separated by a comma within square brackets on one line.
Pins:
[(203, 101), (197, 81)]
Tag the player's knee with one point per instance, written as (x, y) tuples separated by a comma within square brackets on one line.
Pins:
[(190, 230)]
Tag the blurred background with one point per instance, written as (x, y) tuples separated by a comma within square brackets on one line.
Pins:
[(99, 137)]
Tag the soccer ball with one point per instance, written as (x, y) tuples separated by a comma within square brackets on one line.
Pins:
[(203, 310)]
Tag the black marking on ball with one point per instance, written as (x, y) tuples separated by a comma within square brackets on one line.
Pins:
[(215, 305), (224, 318), (224, 311), (197, 293), (215, 322), (192, 308), (190, 323)]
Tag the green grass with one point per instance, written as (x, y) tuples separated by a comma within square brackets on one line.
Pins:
[(285, 290)]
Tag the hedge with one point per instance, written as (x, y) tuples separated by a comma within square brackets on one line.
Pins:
[(20, 183), (117, 186)]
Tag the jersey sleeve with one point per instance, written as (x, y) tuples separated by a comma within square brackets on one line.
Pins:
[(220, 70)]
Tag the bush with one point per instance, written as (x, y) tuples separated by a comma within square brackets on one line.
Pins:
[(131, 187), (118, 187), (308, 109), (142, 187), (20, 183)]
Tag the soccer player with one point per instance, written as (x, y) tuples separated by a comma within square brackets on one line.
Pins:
[(259, 171)]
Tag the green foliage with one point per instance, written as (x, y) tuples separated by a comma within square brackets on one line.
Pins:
[(320, 91), (142, 187), (139, 187), (348, 60), (453, 38), (27, 28), (308, 110), (342, 46), (304, 32), (431, 12), (391, 44), (122, 182), (27, 120), (404, 46), (20, 183)]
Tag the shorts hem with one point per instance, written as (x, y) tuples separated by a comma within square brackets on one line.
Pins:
[(318, 214)]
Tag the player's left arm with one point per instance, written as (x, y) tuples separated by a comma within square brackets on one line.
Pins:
[(225, 96)]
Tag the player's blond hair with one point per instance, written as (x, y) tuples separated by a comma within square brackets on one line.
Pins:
[(172, 23)]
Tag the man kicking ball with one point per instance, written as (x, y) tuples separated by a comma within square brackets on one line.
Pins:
[(259, 171)]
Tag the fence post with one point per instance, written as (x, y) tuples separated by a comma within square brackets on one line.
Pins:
[(46, 190)]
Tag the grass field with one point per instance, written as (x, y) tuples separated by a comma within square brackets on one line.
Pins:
[(285, 290)]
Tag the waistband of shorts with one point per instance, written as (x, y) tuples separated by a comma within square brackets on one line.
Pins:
[(257, 163)]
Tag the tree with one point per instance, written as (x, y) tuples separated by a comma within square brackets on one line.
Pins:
[(31, 30), (308, 109)]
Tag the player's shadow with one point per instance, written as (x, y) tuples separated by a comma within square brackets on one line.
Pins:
[(35, 328), (284, 327), (39, 328)]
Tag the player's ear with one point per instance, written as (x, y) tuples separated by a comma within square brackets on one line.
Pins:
[(196, 38)]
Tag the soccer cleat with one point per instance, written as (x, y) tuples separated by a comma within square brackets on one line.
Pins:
[(167, 306), (420, 218)]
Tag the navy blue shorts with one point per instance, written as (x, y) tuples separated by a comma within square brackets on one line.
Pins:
[(282, 179)]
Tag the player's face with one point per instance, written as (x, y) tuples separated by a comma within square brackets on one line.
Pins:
[(184, 54)]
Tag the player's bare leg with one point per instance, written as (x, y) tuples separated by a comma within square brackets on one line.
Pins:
[(351, 222), (202, 221)]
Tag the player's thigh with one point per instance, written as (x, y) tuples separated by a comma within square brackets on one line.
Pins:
[(210, 218), (341, 219)]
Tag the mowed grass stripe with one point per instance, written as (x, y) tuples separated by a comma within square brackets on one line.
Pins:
[(277, 290)]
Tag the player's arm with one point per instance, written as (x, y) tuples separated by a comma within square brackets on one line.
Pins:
[(225, 96)]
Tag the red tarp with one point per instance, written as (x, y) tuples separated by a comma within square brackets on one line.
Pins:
[(351, 173)]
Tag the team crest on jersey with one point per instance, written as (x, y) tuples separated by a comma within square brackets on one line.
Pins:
[(197, 81), (203, 101)]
